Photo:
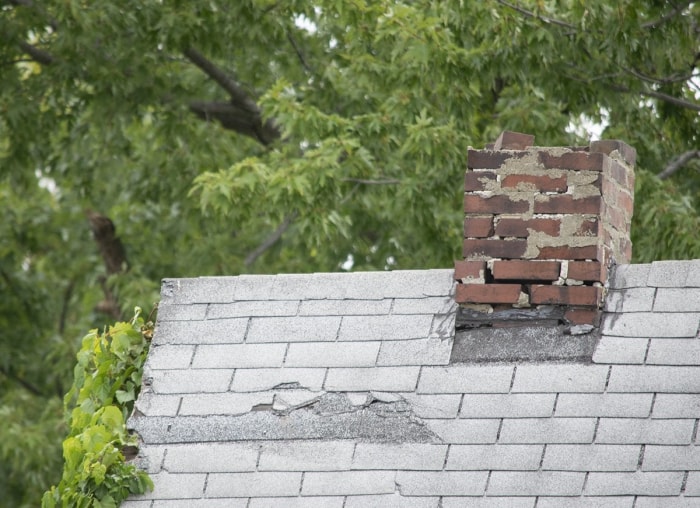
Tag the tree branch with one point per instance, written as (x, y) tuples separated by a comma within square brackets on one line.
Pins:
[(663, 19), (678, 163), (113, 254), (272, 239), (38, 55), (534, 15), (386, 181), (265, 132), (22, 382), (300, 54)]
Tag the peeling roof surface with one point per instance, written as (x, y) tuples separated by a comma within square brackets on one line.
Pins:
[(336, 390)]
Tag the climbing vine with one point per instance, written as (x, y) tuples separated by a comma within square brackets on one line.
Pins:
[(107, 382)]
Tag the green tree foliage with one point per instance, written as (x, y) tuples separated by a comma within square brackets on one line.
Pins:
[(226, 136)]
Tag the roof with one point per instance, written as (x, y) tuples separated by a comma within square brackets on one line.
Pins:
[(338, 390)]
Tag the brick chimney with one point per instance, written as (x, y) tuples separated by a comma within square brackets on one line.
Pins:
[(543, 226)]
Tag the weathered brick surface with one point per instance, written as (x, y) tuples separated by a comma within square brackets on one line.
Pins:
[(526, 270), (478, 180), (580, 161), (508, 249), (469, 269), (478, 227), (566, 295), (494, 204), (535, 182), (521, 227), (567, 204), (488, 293)]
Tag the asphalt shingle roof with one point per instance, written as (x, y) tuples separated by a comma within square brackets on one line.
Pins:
[(336, 390)]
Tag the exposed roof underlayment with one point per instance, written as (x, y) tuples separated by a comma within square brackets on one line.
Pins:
[(338, 390)]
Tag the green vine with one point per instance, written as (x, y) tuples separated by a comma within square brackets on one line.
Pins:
[(107, 382)]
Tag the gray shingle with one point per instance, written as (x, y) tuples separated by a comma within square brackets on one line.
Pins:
[(540, 483), (523, 405), (671, 458), (630, 300), (211, 457), (255, 380), (391, 501), (679, 324), (625, 350), (348, 483), (623, 484), (560, 378), (415, 352), (306, 456), (692, 486), (410, 456), (677, 300), (385, 327), (672, 405), (433, 406), (253, 484), (190, 380), (219, 356), (344, 307), (465, 431), (631, 405), (388, 379), (591, 457), (488, 502), (296, 502), (443, 483), (643, 431), (332, 354), (176, 486), (200, 503), (629, 276), (170, 357), (466, 379), (293, 329), (251, 309), (633, 378), (693, 279), (547, 430), (219, 331), (674, 352), (668, 274), (586, 502), (434, 305), (177, 312), (151, 404), (667, 502), (223, 403), (494, 457)]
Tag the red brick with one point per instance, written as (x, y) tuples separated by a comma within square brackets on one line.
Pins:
[(490, 159), (566, 252), (508, 249), (616, 218), (567, 204), (519, 227), (494, 204), (626, 203), (566, 295), (618, 172), (473, 180), (540, 183), (488, 293), (583, 316), (478, 227), (608, 146), (579, 161), (469, 269), (526, 270), (509, 140), (585, 270)]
